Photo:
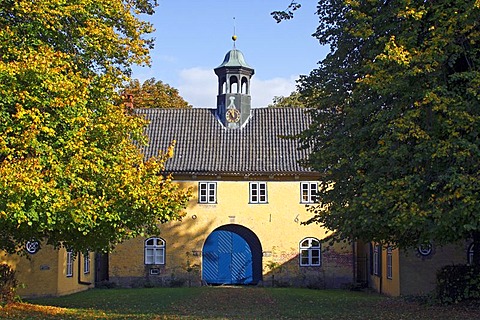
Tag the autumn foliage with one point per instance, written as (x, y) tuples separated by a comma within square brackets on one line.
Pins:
[(71, 172), (154, 94)]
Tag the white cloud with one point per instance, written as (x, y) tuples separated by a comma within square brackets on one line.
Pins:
[(198, 86), (263, 91)]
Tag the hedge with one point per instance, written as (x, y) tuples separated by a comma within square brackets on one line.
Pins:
[(458, 283)]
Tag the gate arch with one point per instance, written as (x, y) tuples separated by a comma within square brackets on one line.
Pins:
[(232, 254)]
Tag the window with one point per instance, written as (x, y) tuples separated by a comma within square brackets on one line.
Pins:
[(86, 262), (69, 264), (32, 247), (310, 252), (308, 192), (154, 251), (258, 192), (425, 249), (377, 259), (154, 271), (470, 254), (389, 263), (207, 192)]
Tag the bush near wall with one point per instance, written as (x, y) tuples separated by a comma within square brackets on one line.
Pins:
[(458, 283), (8, 284)]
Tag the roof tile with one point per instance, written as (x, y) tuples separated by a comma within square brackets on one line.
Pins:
[(204, 146)]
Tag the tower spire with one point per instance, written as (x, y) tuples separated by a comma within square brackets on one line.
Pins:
[(234, 37)]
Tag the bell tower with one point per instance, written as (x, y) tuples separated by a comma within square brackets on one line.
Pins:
[(233, 99)]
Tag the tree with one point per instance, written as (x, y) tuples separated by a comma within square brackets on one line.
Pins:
[(154, 94), (396, 112), (294, 100), (71, 173), (286, 14)]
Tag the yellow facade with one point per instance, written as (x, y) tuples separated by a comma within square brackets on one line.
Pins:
[(277, 224), (418, 273), (412, 273), (44, 273)]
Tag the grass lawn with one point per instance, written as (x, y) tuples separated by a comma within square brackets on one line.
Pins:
[(229, 303)]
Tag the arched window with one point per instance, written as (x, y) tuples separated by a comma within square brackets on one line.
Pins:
[(425, 249), (244, 89), (310, 252), (470, 254), (154, 251), (222, 86), (234, 86)]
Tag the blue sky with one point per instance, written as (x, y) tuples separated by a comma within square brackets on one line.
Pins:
[(193, 36)]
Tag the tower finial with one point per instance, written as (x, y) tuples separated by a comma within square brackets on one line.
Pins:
[(234, 37)]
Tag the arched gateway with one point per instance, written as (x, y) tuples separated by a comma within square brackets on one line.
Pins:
[(232, 254)]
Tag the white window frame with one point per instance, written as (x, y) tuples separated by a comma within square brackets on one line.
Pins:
[(207, 192), (154, 251), (308, 191), (69, 264), (86, 262), (310, 254), (258, 192), (389, 263)]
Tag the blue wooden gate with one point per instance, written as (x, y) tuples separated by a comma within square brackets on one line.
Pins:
[(227, 259)]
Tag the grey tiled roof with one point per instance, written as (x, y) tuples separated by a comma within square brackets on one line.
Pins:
[(204, 146)]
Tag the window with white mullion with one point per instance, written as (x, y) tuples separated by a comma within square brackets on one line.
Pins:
[(377, 258), (212, 193), (389, 263), (207, 192), (258, 192), (308, 191), (262, 189), (310, 253), (154, 251), (86, 262), (253, 193), (69, 264)]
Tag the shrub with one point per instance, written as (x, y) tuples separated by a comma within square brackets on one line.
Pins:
[(8, 284), (458, 283)]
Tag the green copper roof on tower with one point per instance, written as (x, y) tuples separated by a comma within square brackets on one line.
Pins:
[(234, 58)]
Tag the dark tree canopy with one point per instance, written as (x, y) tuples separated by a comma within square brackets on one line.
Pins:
[(286, 14), (154, 94), (396, 118)]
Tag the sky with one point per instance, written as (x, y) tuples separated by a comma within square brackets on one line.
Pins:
[(193, 36)]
